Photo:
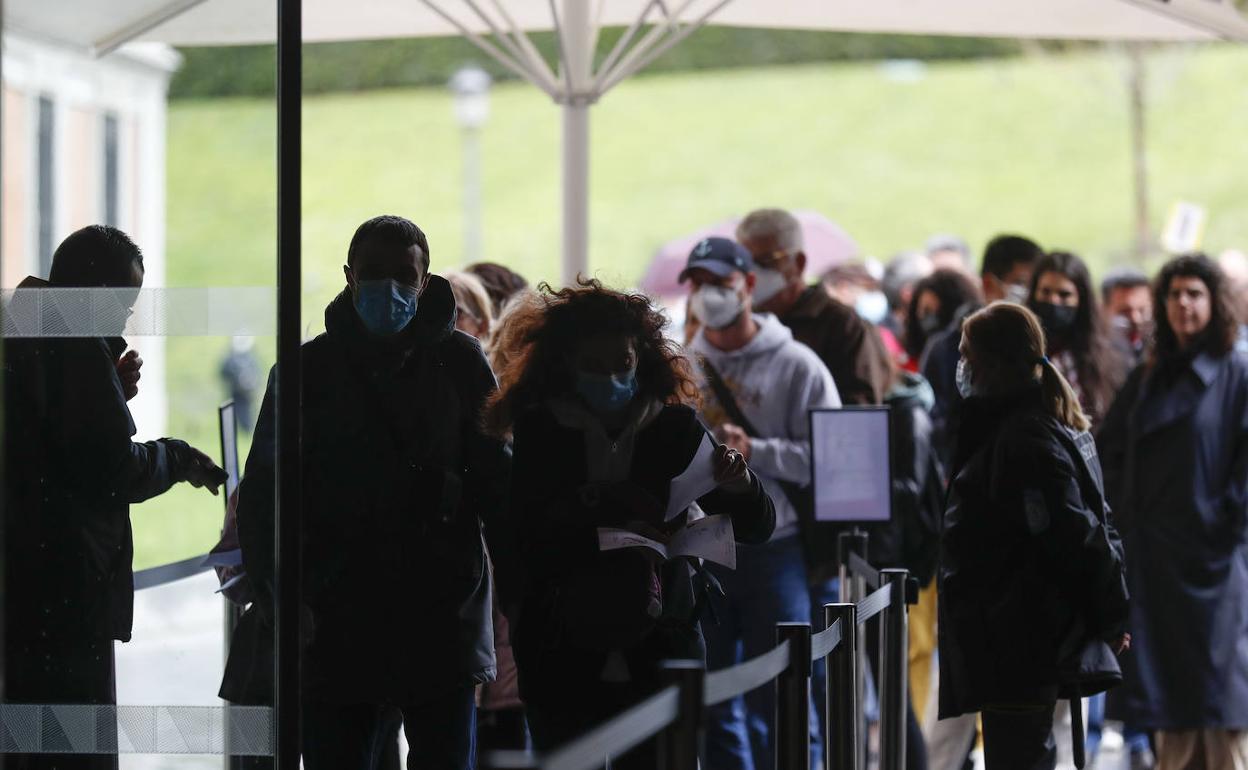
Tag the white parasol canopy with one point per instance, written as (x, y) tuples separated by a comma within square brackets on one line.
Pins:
[(580, 76)]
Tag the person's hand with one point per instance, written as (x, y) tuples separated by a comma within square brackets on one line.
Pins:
[(194, 467), (128, 367), (1121, 644), (731, 471), (735, 438)]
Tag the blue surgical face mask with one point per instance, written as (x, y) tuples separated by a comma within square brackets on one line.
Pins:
[(872, 306), (385, 307), (607, 393)]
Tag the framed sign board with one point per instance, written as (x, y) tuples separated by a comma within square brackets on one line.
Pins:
[(229, 447), (851, 464)]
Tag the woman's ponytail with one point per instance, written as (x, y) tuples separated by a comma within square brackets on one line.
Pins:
[(1060, 398)]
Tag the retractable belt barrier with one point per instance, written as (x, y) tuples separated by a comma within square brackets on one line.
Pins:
[(172, 572), (673, 715)]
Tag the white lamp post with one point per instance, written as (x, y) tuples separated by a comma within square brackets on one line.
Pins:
[(471, 87)]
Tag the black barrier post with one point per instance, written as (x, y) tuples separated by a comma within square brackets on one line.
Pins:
[(854, 541), (854, 589), (679, 744), (793, 699), (844, 711), (894, 670)]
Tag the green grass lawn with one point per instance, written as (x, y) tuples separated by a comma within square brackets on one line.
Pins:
[(1035, 145)]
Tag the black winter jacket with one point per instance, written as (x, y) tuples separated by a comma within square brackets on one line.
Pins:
[(1031, 569), (71, 473), (557, 514), (397, 480), (911, 539)]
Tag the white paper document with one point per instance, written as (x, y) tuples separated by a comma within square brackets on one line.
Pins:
[(710, 538), (694, 481)]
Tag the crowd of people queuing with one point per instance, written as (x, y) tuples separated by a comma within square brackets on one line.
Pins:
[(1070, 489)]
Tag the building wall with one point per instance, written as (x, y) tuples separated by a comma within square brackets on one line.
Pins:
[(128, 87)]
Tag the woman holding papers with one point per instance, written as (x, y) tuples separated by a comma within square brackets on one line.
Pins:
[(1032, 589), (609, 452)]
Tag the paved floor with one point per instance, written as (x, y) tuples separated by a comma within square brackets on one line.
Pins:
[(176, 658)]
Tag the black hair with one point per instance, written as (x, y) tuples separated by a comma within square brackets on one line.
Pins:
[(1122, 278), (1006, 251), (501, 283), (1223, 329), (954, 289), (1100, 368), (389, 231), (96, 255)]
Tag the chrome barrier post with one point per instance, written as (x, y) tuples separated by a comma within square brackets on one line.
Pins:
[(894, 668), (793, 699), (842, 732), (679, 744)]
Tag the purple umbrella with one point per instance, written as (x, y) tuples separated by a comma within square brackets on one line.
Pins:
[(827, 245)]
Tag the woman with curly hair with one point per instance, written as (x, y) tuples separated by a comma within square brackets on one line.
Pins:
[(1175, 449), (938, 301), (599, 404), (1063, 298)]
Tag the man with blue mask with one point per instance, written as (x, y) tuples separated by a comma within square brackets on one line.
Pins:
[(758, 385), (847, 344), (399, 479)]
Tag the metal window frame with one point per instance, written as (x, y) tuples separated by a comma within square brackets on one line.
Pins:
[(289, 383)]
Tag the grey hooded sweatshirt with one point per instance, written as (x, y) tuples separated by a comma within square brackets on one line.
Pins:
[(775, 381)]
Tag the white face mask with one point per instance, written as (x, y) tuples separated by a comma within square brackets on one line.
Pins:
[(1016, 293), (767, 284), (872, 306), (964, 376), (717, 307)]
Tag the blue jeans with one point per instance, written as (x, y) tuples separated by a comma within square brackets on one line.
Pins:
[(768, 587), (441, 734), (1135, 740)]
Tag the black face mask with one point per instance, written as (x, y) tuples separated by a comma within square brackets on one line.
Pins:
[(930, 324), (1058, 320)]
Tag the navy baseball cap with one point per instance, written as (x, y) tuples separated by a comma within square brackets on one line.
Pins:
[(720, 256)]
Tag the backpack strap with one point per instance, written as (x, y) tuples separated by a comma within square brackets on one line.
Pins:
[(726, 399)]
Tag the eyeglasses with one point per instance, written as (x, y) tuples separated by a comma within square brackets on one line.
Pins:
[(772, 259)]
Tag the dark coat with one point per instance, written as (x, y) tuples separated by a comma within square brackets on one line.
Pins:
[(397, 480), (71, 473), (557, 518), (939, 366), (848, 345), (912, 538), (1175, 447), (1031, 571)]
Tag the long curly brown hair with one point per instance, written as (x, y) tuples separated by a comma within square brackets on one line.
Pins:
[(537, 369), (1219, 336)]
